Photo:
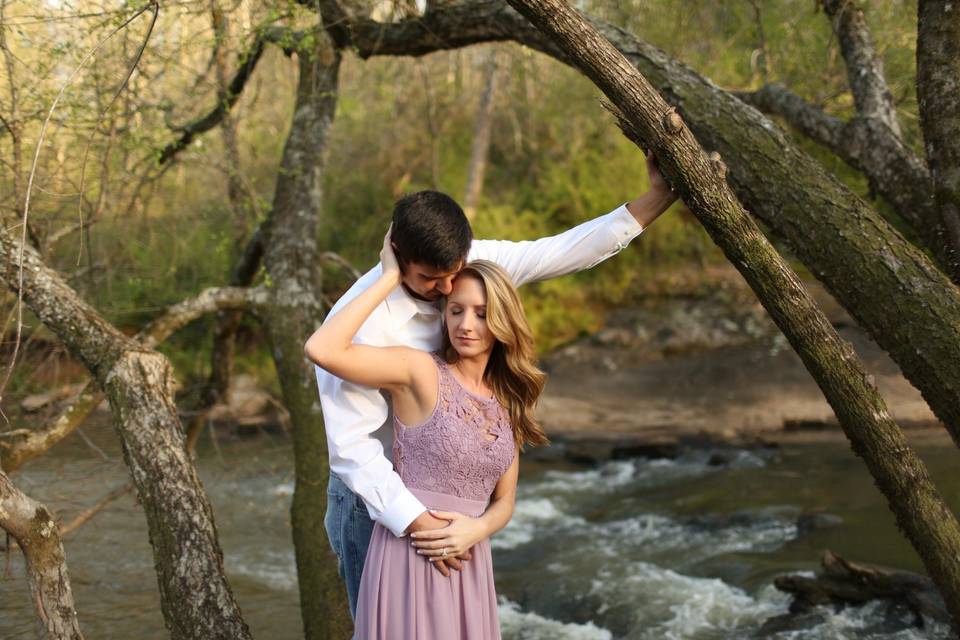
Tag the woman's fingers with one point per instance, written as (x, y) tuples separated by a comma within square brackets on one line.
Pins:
[(430, 534)]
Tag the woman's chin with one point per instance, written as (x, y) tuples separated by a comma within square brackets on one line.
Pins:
[(468, 350)]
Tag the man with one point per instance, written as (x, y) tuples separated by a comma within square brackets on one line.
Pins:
[(433, 241)]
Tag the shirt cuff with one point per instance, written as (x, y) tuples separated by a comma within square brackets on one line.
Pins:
[(623, 225), (401, 512)]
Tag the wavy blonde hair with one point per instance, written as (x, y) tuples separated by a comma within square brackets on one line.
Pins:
[(512, 371)]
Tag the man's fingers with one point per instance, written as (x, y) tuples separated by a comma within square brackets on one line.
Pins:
[(442, 568), (454, 564), (466, 555)]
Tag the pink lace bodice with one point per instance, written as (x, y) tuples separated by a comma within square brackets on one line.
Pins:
[(462, 449)]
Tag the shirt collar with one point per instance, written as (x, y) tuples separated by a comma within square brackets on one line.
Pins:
[(403, 306)]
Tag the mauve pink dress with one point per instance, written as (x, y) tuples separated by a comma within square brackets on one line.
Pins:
[(451, 462)]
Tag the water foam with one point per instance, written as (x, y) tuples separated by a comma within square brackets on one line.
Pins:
[(516, 624)]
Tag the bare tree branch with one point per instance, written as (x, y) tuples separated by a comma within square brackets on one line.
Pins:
[(208, 301), (35, 442), (100, 505), (335, 258), (864, 67), (247, 63), (810, 120), (33, 527), (894, 171)]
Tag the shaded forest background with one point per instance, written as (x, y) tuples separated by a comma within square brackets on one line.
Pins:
[(146, 234)]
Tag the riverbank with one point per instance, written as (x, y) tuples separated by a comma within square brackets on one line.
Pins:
[(699, 362)]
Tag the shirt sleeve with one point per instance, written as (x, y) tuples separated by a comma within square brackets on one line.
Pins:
[(352, 413), (582, 247)]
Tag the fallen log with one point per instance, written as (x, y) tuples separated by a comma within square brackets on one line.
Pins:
[(843, 582)]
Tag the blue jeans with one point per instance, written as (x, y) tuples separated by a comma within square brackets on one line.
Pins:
[(349, 528)]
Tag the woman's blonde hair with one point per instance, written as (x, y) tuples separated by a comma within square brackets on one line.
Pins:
[(512, 370)]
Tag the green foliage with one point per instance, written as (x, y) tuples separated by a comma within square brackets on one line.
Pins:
[(556, 158)]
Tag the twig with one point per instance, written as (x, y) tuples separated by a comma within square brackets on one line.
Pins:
[(101, 504), (33, 170)]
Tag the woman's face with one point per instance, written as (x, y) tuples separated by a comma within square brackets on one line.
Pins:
[(466, 317)]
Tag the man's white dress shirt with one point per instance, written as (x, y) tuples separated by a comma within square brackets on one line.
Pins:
[(358, 420)]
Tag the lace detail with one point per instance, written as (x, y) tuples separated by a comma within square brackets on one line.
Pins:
[(462, 449)]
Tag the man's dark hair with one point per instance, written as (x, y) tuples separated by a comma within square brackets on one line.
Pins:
[(431, 229)]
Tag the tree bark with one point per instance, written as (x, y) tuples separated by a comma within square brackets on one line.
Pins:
[(893, 170), (871, 95), (291, 260), (35, 443), (196, 600), (938, 89), (909, 307), (32, 525), (920, 512), (846, 582)]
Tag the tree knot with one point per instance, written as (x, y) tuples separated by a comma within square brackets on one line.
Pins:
[(717, 163), (672, 121)]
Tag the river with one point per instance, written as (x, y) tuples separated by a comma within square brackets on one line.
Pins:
[(632, 549)]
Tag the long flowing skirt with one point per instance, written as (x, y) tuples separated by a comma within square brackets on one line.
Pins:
[(403, 597)]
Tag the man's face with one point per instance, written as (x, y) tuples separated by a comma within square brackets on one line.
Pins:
[(428, 283)]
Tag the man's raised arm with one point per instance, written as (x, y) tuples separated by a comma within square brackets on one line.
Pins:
[(583, 246)]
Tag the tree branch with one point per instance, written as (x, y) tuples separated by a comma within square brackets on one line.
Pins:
[(248, 62), (938, 89), (33, 527), (35, 442), (810, 120), (864, 67), (894, 171), (208, 301), (645, 117)]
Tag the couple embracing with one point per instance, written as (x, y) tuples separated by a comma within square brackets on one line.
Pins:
[(428, 381)]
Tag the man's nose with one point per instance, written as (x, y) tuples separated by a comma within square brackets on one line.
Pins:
[(445, 286)]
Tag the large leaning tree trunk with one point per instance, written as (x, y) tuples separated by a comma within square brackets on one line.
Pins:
[(32, 525), (938, 90), (890, 287), (919, 510), (295, 310), (196, 600)]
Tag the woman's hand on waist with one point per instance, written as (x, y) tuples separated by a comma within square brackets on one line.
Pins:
[(456, 538)]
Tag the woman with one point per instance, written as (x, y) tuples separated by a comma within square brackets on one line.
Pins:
[(460, 419)]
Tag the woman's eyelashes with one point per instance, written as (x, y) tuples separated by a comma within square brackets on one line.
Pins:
[(454, 311)]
